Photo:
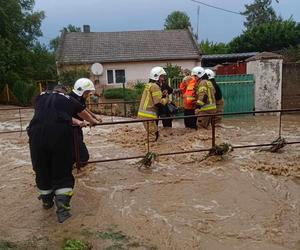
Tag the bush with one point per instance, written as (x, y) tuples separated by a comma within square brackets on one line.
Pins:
[(24, 92), (139, 87), (118, 93), (76, 245)]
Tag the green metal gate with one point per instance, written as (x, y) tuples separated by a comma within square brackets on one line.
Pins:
[(238, 92)]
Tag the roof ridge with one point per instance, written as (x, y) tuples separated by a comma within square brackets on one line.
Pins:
[(129, 31)]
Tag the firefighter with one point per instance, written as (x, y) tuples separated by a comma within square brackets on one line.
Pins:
[(206, 103), (51, 148), (83, 87), (152, 100), (218, 96), (188, 90), (187, 77)]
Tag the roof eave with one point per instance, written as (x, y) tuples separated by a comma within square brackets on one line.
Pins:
[(61, 62)]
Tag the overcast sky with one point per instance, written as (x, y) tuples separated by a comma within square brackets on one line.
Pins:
[(125, 15)]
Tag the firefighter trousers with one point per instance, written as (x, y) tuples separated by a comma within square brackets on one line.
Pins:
[(51, 150), (190, 122), (82, 149), (153, 129), (205, 121)]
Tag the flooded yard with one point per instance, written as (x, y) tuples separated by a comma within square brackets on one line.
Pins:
[(249, 199)]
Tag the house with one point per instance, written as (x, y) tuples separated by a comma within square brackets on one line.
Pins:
[(126, 56)]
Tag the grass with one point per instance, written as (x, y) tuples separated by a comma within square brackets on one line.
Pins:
[(119, 240), (76, 245), (6, 245)]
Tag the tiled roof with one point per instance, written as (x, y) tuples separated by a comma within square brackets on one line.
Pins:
[(90, 47)]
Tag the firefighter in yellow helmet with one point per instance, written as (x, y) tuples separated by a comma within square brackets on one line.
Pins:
[(206, 102), (152, 100)]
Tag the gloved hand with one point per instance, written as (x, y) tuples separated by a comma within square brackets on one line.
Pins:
[(83, 124)]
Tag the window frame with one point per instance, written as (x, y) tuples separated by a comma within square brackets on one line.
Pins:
[(114, 76)]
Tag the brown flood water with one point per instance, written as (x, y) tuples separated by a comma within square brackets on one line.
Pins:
[(248, 200)]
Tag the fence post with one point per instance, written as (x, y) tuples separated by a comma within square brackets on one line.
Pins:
[(111, 111), (40, 87), (124, 93), (169, 83), (280, 124), (148, 138), (20, 116), (7, 93), (213, 127)]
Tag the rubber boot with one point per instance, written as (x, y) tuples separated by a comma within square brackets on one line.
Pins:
[(47, 200), (62, 202)]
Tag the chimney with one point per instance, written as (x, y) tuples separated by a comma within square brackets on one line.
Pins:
[(86, 28)]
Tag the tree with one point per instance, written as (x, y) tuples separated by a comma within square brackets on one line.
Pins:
[(173, 71), (177, 20), (20, 28), (259, 12), (272, 36), (68, 77), (54, 42), (43, 63), (208, 47)]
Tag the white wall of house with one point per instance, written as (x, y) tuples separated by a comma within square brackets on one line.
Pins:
[(268, 83), (139, 71)]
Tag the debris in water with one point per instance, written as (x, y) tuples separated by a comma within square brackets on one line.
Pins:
[(220, 150), (148, 160), (277, 144)]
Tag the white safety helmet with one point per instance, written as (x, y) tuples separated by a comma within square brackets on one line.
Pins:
[(210, 73), (156, 72), (198, 71), (82, 85)]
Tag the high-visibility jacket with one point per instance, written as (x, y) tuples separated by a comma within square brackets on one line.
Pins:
[(152, 95), (206, 96), (183, 84), (190, 94)]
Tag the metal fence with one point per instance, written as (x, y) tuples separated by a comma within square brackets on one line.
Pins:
[(22, 121)]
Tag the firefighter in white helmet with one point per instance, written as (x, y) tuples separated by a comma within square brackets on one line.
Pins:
[(51, 147), (218, 96), (82, 89), (152, 100), (206, 103)]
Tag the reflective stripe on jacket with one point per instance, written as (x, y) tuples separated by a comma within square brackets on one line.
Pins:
[(206, 96), (152, 95)]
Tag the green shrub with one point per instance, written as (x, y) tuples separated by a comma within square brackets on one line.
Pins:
[(76, 245), (24, 92), (139, 87), (120, 93)]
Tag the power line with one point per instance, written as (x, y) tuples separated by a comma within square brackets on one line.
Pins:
[(218, 8)]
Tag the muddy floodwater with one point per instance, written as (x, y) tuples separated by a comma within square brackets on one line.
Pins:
[(249, 199)]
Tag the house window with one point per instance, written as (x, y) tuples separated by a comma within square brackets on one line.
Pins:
[(110, 76), (116, 76)]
